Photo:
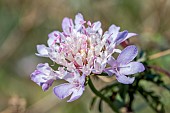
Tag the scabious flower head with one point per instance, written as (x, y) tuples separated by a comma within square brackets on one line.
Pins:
[(81, 49)]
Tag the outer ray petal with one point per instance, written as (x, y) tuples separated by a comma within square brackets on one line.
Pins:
[(124, 79), (111, 61), (76, 94), (127, 55), (43, 76), (114, 30), (96, 25), (111, 34), (67, 25), (132, 68), (42, 50), (55, 37), (121, 37), (79, 18), (130, 35), (64, 90)]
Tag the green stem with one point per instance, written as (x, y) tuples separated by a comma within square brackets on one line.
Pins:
[(95, 91)]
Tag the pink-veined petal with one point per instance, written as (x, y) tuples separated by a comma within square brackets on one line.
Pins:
[(79, 19), (54, 37), (78, 59), (67, 25)]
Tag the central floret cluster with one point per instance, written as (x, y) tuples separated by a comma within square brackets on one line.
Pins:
[(82, 49)]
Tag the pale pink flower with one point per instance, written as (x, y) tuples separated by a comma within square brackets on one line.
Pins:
[(80, 50)]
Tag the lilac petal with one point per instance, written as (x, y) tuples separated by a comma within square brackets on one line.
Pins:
[(82, 79), (124, 79), (54, 37), (127, 54), (113, 32), (44, 76), (42, 51), (44, 68), (86, 70), (61, 73), (114, 29), (76, 75), (111, 61), (121, 37), (77, 82), (100, 31), (46, 85), (89, 23), (76, 94), (71, 77), (37, 77), (109, 71), (78, 59), (99, 66), (67, 25), (79, 19), (64, 90), (111, 48), (96, 25), (130, 35), (131, 68)]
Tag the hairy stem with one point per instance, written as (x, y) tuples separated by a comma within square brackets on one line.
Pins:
[(97, 93)]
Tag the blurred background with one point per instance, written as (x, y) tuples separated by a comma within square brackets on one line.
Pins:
[(26, 23)]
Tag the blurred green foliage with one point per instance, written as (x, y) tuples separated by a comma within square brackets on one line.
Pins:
[(26, 23)]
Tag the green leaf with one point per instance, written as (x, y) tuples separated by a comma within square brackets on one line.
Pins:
[(100, 106), (156, 79), (93, 102), (119, 104), (152, 99), (123, 90)]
